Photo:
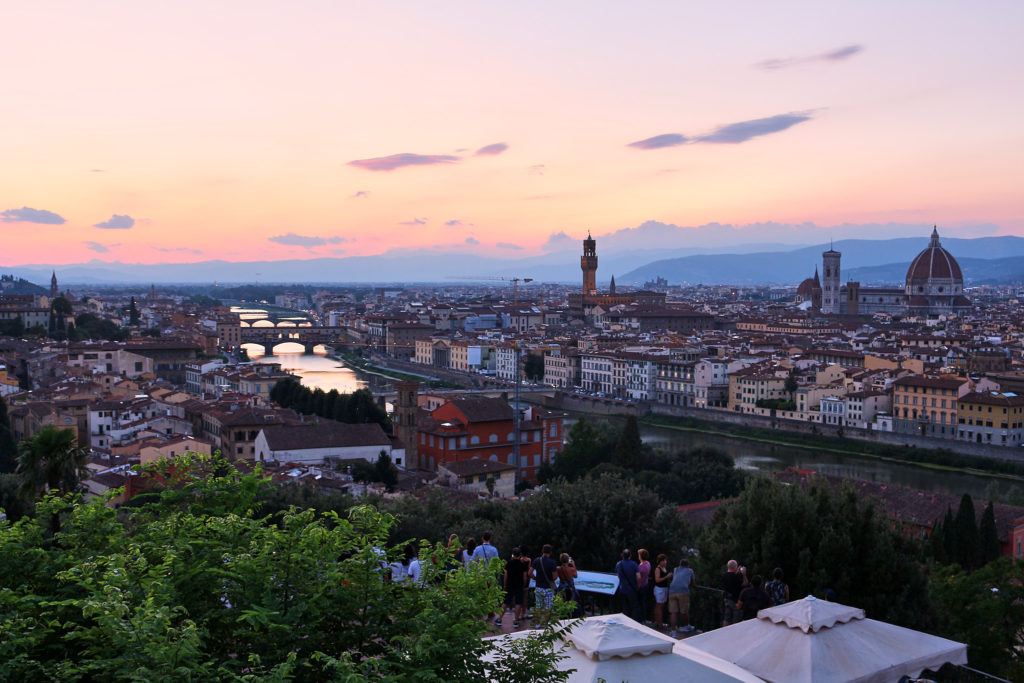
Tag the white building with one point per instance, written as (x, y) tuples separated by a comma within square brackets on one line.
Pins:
[(326, 442)]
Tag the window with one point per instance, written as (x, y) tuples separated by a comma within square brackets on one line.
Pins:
[(474, 440), (493, 438)]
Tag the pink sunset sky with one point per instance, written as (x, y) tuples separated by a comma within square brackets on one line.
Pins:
[(157, 132)]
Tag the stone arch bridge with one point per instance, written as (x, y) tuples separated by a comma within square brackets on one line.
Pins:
[(309, 337)]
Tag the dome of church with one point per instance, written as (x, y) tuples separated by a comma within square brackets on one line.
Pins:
[(934, 263), (806, 287)]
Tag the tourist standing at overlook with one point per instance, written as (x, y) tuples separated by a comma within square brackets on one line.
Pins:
[(643, 582), (543, 572), (683, 581), (753, 599), (662, 578), (485, 551), (733, 581), (629, 577), (777, 589), (516, 572)]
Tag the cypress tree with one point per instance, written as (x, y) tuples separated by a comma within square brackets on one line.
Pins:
[(629, 450), (988, 535), (937, 543), (133, 313), (949, 536), (966, 534)]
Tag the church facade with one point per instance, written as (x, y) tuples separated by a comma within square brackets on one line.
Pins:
[(934, 286)]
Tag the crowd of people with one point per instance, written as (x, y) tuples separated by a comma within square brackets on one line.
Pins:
[(639, 583)]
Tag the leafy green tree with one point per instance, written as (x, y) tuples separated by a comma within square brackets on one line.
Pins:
[(691, 476), (51, 459), (12, 502), (821, 538), (384, 471), (593, 519), (533, 367), (8, 447), (629, 450), (195, 585), (60, 311), (587, 446), (15, 327), (985, 609), (791, 385), (988, 536)]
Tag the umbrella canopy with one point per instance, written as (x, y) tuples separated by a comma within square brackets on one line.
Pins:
[(813, 640), (616, 648)]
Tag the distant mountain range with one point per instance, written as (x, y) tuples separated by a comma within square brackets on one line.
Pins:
[(983, 260), (990, 259)]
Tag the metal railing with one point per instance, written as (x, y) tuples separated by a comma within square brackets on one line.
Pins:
[(951, 673)]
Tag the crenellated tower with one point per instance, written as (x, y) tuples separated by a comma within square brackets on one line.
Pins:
[(588, 263)]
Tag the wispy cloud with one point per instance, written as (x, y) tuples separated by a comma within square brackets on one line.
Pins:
[(452, 223), (507, 245), (731, 133), (96, 170), (390, 163), (414, 221), (536, 169), (839, 55), (742, 131), (29, 215), (116, 222), (179, 250), (97, 247), (659, 141), (472, 240), (307, 241), (492, 150), (361, 194)]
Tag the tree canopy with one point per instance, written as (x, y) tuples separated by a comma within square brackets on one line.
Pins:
[(193, 584), (356, 408), (822, 539)]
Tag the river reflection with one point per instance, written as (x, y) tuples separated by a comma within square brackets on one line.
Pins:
[(317, 371), (768, 458)]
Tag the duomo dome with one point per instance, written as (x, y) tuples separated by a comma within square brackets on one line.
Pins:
[(934, 272)]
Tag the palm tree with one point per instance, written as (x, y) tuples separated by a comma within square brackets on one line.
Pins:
[(51, 460)]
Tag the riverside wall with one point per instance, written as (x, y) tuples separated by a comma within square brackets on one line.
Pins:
[(598, 406)]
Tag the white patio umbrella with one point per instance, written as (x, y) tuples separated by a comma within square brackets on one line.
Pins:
[(815, 641), (616, 648)]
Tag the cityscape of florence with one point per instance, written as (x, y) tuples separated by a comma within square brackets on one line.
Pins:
[(460, 342)]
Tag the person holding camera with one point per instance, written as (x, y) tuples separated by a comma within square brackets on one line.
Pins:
[(733, 582)]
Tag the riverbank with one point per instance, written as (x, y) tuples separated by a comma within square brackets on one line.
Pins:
[(928, 458), (360, 364)]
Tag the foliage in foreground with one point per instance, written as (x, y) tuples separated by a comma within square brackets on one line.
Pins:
[(985, 609), (194, 585)]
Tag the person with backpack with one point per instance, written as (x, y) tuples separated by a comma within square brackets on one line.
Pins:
[(516, 570), (542, 571), (628, 572), (566, 575)]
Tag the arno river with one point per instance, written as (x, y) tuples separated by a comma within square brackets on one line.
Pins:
[(317, 370)]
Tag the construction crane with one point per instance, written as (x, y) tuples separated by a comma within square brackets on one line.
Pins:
[(497, 278)]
